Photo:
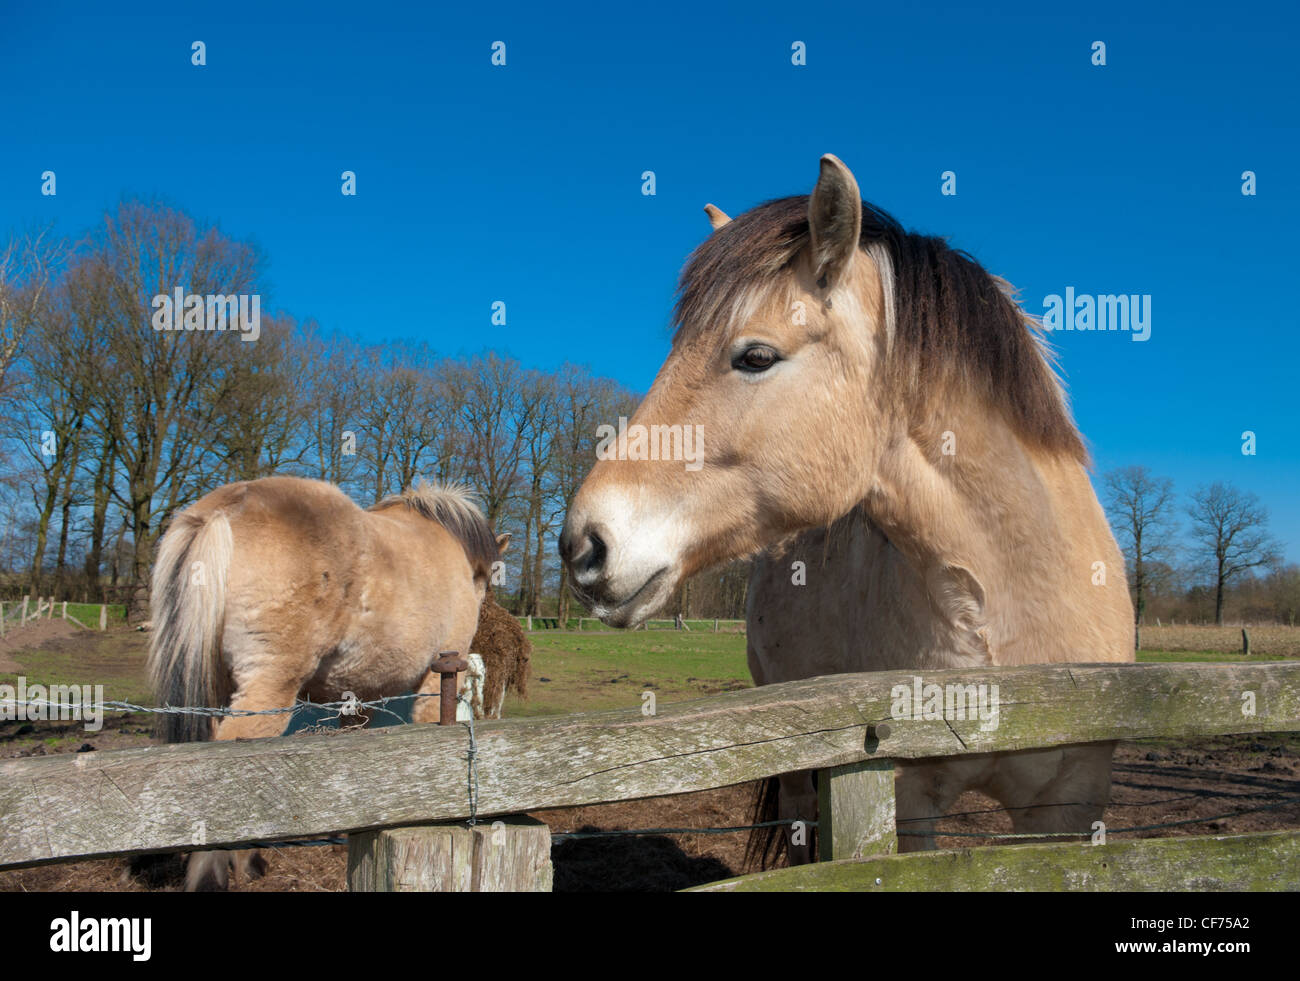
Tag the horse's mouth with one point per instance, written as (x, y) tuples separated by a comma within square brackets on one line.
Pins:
[(634, 610)]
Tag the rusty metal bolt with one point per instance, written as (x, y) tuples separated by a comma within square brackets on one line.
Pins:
[(447, 665)]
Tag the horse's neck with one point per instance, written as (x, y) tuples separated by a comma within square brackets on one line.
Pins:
[(1002, 544), (845, 599)]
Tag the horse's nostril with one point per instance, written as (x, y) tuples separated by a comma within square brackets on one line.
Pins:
[(597, 558), (584, 552)]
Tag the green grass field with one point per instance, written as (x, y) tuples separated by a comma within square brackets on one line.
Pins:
[(114, 659), (571, 671), (87, 613), (590, 671)]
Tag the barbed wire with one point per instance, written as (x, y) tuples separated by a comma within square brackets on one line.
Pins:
[(471, 766), (115, 705)]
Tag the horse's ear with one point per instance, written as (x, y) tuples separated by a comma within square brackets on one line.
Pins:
[(834, 221), (503, 543), (717, 217)]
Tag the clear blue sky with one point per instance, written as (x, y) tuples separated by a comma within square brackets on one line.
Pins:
[(523, 183)]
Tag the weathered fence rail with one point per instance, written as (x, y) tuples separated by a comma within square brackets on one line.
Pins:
[(1268, 860), (66, 807)]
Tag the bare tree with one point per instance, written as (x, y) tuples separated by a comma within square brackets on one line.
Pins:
[(495, 419), (55, 418), (401, 392), (88, 294), (1141, 509), (157, 389), (259, 414), (538, 395), (449, 442), (331, 393), (27, 268), (1230, 527), (1284, 593)]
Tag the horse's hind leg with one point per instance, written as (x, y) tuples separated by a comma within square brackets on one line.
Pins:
[(797, 802), (210, 871)]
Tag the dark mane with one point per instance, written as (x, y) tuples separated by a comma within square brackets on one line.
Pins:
[(954, 322), (451, 506)]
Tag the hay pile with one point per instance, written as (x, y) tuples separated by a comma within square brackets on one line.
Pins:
[(506, 653)]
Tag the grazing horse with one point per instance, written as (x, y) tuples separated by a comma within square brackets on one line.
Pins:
[(874, 404), (267, 590)]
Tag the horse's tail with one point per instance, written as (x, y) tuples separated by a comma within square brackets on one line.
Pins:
[(188, 602)]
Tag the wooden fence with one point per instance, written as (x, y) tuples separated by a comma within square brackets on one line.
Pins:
[(43, 608), (179, 797)]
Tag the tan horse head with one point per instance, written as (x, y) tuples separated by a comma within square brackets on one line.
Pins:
[(871, 405), (826, 359)]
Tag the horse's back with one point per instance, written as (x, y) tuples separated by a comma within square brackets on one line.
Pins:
[(345, 598), (289, 504)]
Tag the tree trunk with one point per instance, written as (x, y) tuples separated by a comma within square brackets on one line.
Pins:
[(99, 518), (60, 567), (137, 606), (521, 596), (562, 601), (539, 570), (42, 537)]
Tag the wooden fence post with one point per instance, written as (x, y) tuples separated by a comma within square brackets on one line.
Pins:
[(530, 621), (65, 609), (1245, 642), (23, 619), (855, 811), (49, 615), (103, 616), (510, 854)]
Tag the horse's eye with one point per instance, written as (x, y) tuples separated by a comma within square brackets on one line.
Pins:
[(758, 358)]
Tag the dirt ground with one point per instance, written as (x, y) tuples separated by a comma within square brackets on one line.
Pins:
[(34, 633)]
